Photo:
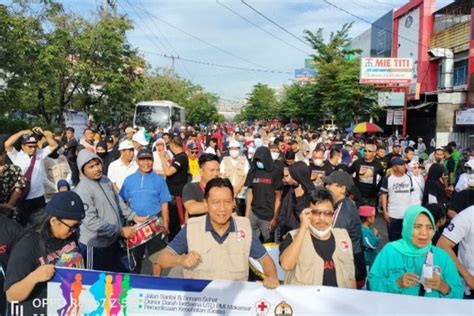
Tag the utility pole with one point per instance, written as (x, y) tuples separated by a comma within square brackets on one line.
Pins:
[(106, 6)]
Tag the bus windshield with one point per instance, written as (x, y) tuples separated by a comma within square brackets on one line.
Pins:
[(147, 115)]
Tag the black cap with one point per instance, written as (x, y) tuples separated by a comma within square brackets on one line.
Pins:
[(66, 205), (145, 153), (339, 177), (28, 139), (397, 161)]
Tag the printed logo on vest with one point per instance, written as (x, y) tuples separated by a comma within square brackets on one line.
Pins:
[(240, 235), (344, 245)]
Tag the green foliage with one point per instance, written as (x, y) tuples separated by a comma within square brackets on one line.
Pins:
[(261, 104), (52, 61), (200, 106)]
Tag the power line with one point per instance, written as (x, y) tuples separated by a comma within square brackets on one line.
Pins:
[(371, 23), (162, 35), (259, 27), (220, 65), (274, 23), (209, 44)]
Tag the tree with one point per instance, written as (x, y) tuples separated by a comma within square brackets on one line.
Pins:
[(338, 78), (52, 60), (200, 106), (261, 104)]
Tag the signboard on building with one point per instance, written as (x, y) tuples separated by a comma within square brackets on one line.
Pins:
[(391, 99), (386, 70), (389, 117), (398, 117), (465, 117), (305, 74)]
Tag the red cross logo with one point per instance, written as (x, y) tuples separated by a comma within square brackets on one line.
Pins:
[(262, 307)]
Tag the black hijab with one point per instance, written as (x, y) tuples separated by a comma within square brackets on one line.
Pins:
[(433, 184)]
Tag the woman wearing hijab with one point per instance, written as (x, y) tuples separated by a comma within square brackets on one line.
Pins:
[(101, 151), (414, 171), (158, 147), (298, 178), (399, 266), (434, 188)]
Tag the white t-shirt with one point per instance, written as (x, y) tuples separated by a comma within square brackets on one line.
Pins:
[(118, 171), (38, 177), (399, 190), (461, 231)]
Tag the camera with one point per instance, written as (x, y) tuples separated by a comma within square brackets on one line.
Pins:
[(37, 134)]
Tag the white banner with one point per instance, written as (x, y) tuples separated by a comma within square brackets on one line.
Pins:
[(398, 117), (386, 70), (116, 294), (389, 117), (77, 120)]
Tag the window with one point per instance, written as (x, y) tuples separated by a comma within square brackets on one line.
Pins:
[(460, 72)]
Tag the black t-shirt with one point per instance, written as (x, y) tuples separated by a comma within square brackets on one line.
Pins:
[(462, 200), (10, 233), (263, 185), (177, 181), (328, 168), (31, 252), (325, 249), (193, 192), (366, 176), (317, 172)]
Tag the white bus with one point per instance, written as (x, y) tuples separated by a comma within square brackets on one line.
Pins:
[(163, 114)]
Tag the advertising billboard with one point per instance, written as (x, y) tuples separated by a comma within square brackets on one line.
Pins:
[(386, 70)]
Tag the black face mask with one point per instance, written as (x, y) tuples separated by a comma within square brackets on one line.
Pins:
[(54, 155), (102, 155)]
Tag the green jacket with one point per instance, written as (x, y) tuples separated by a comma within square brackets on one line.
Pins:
[(390, 265)]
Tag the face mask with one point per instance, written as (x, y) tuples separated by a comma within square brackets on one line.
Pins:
[(320, 233), (260, 165), (339, 161), (275, 155), (101, 155), (317, 162), (234, 153)]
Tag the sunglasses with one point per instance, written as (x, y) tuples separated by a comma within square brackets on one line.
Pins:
[(72, 229), (319, 213)]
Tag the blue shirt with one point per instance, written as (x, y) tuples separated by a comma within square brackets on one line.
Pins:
[(145, 193), (179, 245)]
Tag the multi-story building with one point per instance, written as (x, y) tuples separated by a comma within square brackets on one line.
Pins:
[(439, 42)]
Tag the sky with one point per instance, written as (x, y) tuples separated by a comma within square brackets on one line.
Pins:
[(206, 31)]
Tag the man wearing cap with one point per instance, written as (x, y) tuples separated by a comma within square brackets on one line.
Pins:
[(421, 147), (147, 195), (122, 167), (129, 132), (396, 149), (102, 227), (31, 161), (139, 141), (396, 191), (235, 168), (346, 216), (193, 160)]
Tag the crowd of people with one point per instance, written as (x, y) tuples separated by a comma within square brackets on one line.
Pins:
[(219, 194)]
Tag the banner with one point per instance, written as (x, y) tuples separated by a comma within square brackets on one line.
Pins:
[(386, 70), (78, 292), (77, 120)]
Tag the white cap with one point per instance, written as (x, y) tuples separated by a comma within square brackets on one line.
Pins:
[(469, 164), (126, 144), (139, 137), (234, 144)]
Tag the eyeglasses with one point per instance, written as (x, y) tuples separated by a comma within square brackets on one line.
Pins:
[(320, 212), (72, 229)]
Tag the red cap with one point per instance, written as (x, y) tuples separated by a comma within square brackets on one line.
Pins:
[(366, 210)]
